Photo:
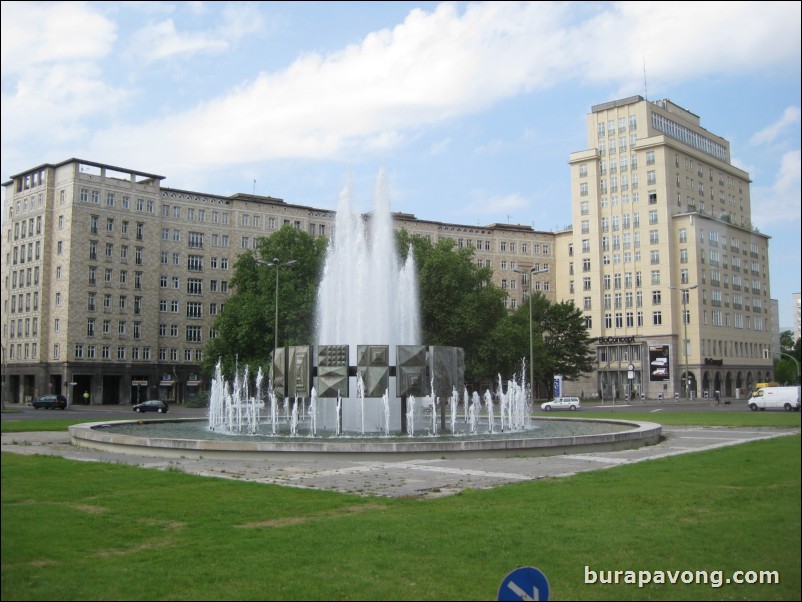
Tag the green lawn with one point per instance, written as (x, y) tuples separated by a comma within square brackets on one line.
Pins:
[(90, 531), (711, 418)]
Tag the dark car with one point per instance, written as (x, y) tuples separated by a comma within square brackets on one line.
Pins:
[(152, 405), (51, 402)]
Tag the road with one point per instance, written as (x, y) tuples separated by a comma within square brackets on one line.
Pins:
[(120, 412), (422, 478)]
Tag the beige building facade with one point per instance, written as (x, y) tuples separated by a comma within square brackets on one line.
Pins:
[(111, 283), (662, 257)]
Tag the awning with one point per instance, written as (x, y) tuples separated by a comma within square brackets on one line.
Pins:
[(194, 383), (167, 383)]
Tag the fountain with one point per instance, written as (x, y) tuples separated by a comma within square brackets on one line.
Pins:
[(367, 295)]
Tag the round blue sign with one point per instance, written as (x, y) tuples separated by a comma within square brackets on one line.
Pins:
[(524, 583)]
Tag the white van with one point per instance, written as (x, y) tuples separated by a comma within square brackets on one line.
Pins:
[(786, 398)]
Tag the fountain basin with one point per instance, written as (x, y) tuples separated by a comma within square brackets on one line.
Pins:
[(623, 435)]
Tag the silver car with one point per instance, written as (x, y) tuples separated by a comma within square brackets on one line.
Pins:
[(562, 403)]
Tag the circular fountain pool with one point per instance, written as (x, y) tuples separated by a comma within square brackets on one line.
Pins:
[(192, 438)]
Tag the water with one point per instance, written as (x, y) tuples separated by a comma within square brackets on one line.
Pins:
[(231, 408), (366, 297), (167, 428)]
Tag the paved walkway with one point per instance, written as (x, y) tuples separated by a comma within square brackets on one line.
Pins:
[(404, 478)]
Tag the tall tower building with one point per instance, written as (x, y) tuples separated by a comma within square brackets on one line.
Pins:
[(663, 259)]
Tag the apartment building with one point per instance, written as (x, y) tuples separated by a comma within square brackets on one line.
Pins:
[(111, 283), (662, 257), (520, 256)]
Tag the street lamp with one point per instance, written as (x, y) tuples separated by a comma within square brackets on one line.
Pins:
[(685, 291), (275, 263), (533, 271), (3, 384), (794, 360)]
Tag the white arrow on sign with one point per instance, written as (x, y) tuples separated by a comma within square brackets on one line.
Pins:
[(522, 594)]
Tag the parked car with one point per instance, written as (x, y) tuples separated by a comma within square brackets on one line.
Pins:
[(51, 402), (562, 403), (152, 405), (781, 398)]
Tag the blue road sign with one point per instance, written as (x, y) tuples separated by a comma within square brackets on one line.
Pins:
[(524, 583)]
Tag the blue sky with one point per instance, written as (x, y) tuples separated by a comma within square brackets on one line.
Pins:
[(472, 109)]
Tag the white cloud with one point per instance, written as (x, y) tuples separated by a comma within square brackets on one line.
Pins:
[(370, 96), (790, 118), (514, 204), (780, 204), (163, 40), (438, 148), (443, 64), (491, 147), (36, 34), (52, 84), (678, 41)]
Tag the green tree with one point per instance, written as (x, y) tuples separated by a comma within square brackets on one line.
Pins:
[(460, 305), (560, 342), (566, 344), (787, 341), (786, 367), (506, 347), (246, 326)]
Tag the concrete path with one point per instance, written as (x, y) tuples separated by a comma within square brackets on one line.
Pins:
[(404, 478)]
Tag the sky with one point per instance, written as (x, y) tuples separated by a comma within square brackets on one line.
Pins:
[(470, 109)]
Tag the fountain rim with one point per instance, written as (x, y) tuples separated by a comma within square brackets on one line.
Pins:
[(93, 435)]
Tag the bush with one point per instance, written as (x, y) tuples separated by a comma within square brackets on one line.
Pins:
[(201, 401)]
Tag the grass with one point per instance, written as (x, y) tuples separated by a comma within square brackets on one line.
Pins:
[(90, 531), (52, 424), (712, 418)]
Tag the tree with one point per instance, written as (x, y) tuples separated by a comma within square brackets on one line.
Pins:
[(787, 341), (506, 346), (246, 326), (460, 305), (566, 344), (560, 342), (786, 370)]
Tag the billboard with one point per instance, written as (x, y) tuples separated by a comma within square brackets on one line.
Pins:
[(659, 363), (558, 385)]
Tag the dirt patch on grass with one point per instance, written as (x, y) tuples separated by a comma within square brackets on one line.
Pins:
[(289, 521)]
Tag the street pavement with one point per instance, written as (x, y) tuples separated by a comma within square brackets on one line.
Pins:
[(415, 478)]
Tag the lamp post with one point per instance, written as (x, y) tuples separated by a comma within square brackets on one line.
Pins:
[(3, 384), (533, 271), (795, 361), (275, 263), (685, 291)]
